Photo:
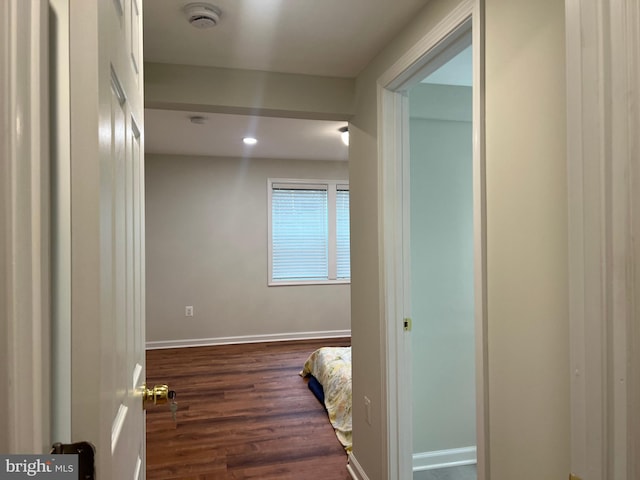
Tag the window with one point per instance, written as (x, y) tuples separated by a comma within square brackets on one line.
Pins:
[(308, 232)]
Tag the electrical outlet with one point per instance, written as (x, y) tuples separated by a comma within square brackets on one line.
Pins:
[(188, 311), (367, 409)]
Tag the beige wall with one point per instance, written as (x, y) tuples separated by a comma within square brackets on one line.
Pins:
[(207, 247), (369, 441), (527, 241), (249, 92)]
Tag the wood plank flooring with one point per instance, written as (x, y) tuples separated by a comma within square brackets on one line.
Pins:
[(244, 413)]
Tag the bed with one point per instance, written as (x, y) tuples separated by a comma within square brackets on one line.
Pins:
[(329, 372)]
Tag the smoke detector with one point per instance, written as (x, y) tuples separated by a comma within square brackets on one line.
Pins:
[(202, 15)]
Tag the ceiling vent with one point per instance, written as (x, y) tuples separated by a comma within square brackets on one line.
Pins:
[(202, 15)]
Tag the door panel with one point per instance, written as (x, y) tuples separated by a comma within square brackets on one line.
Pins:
[(108, 367), (136, 37)]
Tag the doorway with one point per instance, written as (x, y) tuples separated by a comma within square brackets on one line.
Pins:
[(440, 299), (433, 189)]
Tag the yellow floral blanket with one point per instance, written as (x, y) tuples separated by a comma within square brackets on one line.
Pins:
[(332, 368)]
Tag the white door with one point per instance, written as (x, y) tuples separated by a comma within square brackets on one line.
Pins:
[(107, 233)]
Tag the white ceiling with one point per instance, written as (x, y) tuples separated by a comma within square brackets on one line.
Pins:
[(172, 132), (328, 37)]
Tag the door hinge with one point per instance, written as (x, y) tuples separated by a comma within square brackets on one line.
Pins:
[(86, 453), (407, 324)]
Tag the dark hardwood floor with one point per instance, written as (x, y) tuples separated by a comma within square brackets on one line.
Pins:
[(244, 413)]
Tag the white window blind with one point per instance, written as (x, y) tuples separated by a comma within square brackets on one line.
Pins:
[(343, 249), (300, 244), (309, 232)]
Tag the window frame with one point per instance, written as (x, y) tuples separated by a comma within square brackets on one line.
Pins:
[(332, 187)]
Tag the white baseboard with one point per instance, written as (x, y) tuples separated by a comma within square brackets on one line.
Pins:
[(272, 337), (444, 458), (355, 469)]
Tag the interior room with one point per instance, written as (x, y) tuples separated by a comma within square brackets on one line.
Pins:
[(137, 221), (216, 83), (208, 226), (225, 269), (234, 254), (208, 229)]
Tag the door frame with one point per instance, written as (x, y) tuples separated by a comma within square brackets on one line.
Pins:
[(393, 158), (24, 219), (603, 162)]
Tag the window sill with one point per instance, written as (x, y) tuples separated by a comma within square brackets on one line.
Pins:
[(292, 283)]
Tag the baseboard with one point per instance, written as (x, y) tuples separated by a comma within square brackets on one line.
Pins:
[(444, 458), (275, 337), (355, 469)]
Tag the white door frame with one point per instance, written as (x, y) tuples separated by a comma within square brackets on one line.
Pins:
[(603, 121), (60, 136), (24, 220), (392, 161)]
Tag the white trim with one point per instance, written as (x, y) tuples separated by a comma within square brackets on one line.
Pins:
[(355, 469), (271, 337), (414, 59), (332, 214), (480, 245), (5, 221), (309, 282), (24, 199), (397, 380), (603, 73), (453, 457), (60, 224)]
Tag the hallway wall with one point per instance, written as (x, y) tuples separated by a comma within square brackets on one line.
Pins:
[(527, 304)]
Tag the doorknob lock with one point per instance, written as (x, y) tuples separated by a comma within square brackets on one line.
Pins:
[(159, 395)]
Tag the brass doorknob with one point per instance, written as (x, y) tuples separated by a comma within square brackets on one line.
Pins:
[(159, 395)]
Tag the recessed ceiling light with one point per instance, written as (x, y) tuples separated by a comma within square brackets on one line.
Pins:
[(249, 141)]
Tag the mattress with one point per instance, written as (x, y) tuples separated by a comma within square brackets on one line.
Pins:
[(331, 366), (317, 390)]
